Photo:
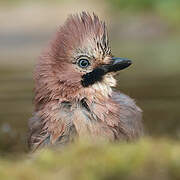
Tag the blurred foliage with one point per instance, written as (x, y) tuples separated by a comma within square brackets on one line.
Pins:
[(14, 2), (169, 9), (146, 159)]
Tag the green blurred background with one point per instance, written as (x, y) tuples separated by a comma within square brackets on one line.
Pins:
[(146, 31)]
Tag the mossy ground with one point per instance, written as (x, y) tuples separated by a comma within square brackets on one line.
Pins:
[(145, 159)]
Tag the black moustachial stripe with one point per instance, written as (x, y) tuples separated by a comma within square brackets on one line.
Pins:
[(93, 77), (97, 74)]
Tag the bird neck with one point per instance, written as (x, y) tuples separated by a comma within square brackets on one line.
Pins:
[(103, 89)]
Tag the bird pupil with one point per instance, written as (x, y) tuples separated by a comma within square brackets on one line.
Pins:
[(83, 63)]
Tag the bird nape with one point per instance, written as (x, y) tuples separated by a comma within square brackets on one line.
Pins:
[(73, 89)]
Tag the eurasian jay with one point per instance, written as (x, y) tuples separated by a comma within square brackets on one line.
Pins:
[(73, 89)]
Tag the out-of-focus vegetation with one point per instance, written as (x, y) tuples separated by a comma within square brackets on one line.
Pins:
[(24, 1), (147, 159), (17, 2), (169, 9)]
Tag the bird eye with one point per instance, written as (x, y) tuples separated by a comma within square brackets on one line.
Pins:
[(83, 63)]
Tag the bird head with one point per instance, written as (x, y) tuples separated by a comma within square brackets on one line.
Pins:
[(78, 63)]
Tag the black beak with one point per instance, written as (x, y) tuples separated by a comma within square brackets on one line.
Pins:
[(97, 74), (118, 64)]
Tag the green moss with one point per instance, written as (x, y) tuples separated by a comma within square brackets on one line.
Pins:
[(146, 159)]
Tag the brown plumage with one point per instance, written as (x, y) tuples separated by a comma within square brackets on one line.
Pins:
[(73, 95)]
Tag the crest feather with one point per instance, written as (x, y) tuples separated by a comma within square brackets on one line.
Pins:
[(76, 30)]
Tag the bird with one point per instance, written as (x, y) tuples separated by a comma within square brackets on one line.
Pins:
[(75, 93)]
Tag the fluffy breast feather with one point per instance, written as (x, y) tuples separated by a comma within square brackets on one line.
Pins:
[(104, 87)]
